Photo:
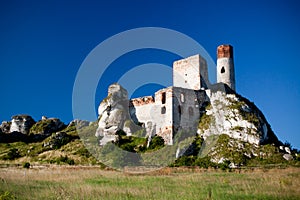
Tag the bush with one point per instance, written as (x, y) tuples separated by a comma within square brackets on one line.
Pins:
[(26, 165), (204, 162), (224, 165), (12, 154), (63, 159), (157, 142), (184, 161)]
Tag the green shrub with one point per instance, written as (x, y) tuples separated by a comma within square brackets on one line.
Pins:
[(63, 159), (184, 161), (157, 142), (204, 162), (224, 165), (12, 154), (26, 165)]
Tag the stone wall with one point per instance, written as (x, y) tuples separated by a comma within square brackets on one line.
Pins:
[(190, 73), (187, 108)]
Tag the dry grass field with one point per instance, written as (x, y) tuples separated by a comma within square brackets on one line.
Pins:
[(63, 182)]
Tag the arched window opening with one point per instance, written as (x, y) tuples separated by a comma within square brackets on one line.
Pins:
[(163, 110), (163, 98), (222, 70), (182, 98), (179, 110)]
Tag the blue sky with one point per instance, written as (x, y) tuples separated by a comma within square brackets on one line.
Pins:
[(42, 46)]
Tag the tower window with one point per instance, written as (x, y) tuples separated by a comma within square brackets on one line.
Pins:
[(163, 98), (163, 110), (179, 110), (182, 98), (222, 70)]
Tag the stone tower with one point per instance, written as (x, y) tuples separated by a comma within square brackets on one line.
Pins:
[(190, 73), (225, 66)]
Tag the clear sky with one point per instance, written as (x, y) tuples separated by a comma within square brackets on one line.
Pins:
[(42, 46)]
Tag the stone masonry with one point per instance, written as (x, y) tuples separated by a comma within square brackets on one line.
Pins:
[(172, 109)]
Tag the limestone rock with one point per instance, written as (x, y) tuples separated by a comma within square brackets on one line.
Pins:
[(47, 126), (237, 117), (44, 118), (288, 157), (79, 123), (21, 124), (5, 126), (288, 150), (113, 112)]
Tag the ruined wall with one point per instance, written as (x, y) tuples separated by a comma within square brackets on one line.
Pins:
[(164, 102), (155, 114), (187, 108), (190, 73)]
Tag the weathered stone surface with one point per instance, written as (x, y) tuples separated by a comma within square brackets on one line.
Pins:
[(235, 116), (225, 66), (44, 118), (225, 51), (21, 124), (113, 112), (288, 150), (179, 107), (79, 123), (288, 157), (5, 126), (191, 73)]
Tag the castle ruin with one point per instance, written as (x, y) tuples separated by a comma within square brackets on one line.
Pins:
[(180, 106)]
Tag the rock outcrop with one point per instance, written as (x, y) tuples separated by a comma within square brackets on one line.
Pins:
[(113, 112), (57, 140), (78, 123), (21, 124), (236, 117), (5, 126), (47, 126)]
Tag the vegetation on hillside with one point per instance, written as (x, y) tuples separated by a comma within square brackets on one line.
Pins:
[(71, 146)]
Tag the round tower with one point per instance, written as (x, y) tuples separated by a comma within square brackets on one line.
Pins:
[(225, 66)]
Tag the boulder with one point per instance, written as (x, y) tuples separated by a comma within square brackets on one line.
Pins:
[(288, 157), (21, 124)]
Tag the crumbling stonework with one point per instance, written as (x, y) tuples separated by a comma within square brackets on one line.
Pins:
[(180, 108)]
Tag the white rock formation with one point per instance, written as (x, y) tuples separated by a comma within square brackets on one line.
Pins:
[(288, 150), (21, 123), (113, 112), (5, 126), (227, 114), (288, 157)]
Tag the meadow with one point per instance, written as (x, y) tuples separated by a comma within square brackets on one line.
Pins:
[(75, 182)]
